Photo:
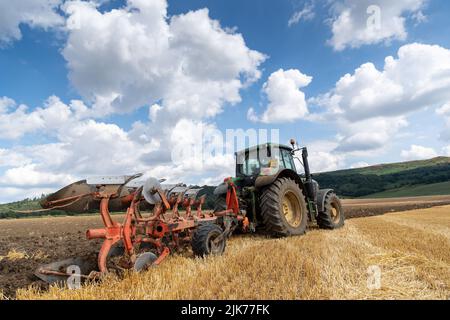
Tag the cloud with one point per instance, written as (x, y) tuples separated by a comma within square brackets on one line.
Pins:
[(306, 14), (5, 104), (418, 78), (416, 152), (86, 147), (357, 165), (17, 121), (323, 157), (286, 101), (185, 69), (446, 151), (355, 22), (371, 106), (35, 13), (135, 56), (444, 112), (363, 137), (28, 176), (9, 194), (9, 158)]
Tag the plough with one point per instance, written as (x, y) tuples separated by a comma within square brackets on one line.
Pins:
[(142, 240)]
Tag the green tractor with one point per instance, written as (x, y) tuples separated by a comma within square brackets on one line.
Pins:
[(277, 199)]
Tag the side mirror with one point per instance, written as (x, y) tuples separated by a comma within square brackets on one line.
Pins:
[(293, 143)]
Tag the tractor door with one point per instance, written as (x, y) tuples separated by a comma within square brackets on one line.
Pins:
[(288, 161)]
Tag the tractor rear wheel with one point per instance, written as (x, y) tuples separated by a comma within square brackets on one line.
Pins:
[(283, 208), (204, 241), (333, 215)]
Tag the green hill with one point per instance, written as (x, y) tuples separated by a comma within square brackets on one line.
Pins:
[(382, 169), (388, 180), (7, 210), (433, 189)]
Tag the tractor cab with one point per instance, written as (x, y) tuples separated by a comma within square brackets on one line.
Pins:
[(264, 160)]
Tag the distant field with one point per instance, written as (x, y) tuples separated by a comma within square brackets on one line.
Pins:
[(442, 188)]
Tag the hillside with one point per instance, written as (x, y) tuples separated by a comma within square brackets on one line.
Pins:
[(388, 168), (404, 177), (442, 188)]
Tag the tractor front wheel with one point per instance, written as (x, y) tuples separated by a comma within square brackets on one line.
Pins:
[(332, 216), (283, 208), (206, 241)]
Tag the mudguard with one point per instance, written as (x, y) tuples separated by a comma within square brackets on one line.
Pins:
[(263, 181)]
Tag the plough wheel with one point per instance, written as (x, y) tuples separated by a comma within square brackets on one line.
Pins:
[(204, 240)]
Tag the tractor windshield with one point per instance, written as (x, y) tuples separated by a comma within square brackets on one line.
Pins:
[(263, 161)]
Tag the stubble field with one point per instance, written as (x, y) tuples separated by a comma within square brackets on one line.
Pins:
[(411, 249)]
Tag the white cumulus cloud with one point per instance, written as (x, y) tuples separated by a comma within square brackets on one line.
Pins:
[(136, 55), (446, 151), (444, 112), (363, 22), (35, 13), (370, 106), (419, 77), (416, 152), (286, 101)]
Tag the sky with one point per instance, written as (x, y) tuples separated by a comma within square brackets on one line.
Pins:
[(102, 87)]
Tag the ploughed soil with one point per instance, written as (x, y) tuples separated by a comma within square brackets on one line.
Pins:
[(25, 244), (355, 208)]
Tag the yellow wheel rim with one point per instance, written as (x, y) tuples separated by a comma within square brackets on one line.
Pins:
[(291, 209), (335, 213)]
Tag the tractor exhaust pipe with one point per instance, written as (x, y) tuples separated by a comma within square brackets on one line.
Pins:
[(309, 184), (306, 164)]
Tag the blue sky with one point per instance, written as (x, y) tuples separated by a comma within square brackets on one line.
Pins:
[(207, 69)]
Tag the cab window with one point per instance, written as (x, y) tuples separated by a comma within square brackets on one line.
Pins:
[(247, 164), (287, 159)]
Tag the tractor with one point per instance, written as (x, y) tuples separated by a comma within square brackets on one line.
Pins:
[(275, 198)]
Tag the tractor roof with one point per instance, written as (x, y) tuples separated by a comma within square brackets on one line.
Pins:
[(265, 145)]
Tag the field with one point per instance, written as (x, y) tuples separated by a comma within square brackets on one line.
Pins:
[(411, 248)]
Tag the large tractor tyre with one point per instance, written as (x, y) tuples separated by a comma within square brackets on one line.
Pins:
[(333, 215), (220, 203), (203, 243), (283, 208)]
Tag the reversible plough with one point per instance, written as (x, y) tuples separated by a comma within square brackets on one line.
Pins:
[(142, 240)]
